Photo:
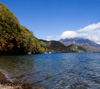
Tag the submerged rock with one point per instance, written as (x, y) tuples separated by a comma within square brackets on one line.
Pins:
[(6, 84)]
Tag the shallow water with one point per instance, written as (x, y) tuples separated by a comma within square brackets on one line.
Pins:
[(54, 71)]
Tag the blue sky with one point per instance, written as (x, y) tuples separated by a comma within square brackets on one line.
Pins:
[(49, 19)]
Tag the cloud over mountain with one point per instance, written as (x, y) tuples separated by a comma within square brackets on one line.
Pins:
[(91, 32), (69, 34)]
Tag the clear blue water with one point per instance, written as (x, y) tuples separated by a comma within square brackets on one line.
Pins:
[(54, 71)]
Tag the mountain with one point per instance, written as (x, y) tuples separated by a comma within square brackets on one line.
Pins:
[(58, 47), (79, 49), (17, 39), (14, 38), (83, 42)]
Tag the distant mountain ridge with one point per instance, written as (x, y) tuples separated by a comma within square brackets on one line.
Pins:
[(58, 47), (55, 47), (83, 42)]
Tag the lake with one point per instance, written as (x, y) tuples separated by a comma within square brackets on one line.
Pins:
[(54, 71)]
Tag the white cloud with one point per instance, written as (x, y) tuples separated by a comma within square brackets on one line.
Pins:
[(49, 37), (91, 32), (91, 27), (68, 34)]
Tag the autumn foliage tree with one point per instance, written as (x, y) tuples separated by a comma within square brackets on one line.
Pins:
[(14, 38)]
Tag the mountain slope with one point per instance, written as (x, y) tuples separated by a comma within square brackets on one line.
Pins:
[(14, 38), (84, 42), (56, 47), (79, 49)]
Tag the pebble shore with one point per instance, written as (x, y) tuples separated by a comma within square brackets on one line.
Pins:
[(6, 84)]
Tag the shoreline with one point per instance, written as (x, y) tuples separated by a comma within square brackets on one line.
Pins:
[(6, 84)]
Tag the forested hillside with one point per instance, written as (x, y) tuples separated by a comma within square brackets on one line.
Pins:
[(14, 38), (58, 47)]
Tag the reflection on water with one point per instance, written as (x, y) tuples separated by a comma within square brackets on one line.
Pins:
[(17, 67), (54, 71)]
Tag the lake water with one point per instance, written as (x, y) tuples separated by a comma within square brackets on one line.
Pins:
[(54, 71)]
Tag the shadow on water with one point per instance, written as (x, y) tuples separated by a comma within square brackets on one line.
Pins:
[(17, 67)]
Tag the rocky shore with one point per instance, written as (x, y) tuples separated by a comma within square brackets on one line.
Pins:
[(6, 84)]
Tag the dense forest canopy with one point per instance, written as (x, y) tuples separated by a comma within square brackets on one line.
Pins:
[(14, 38)]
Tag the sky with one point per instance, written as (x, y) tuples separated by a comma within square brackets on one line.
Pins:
[(58, 19)]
